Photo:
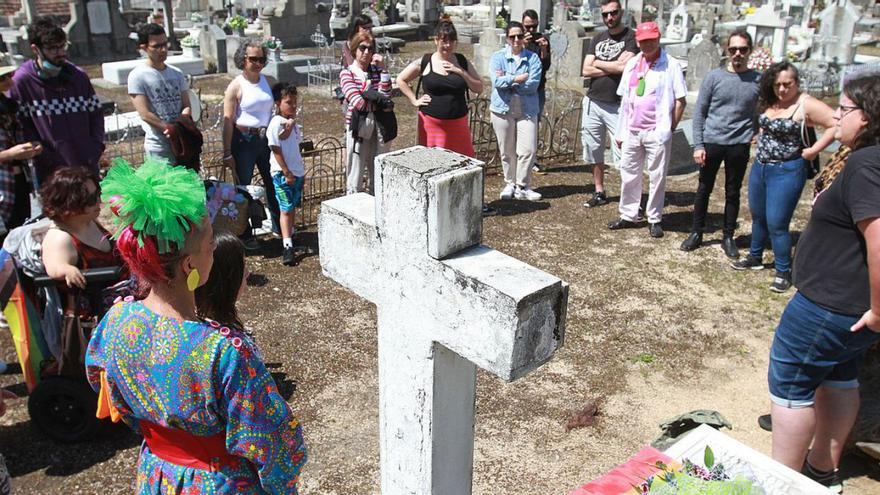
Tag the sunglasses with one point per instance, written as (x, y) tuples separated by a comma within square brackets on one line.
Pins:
[(611, 13), (530, 27), (257, 60), (733, 50), (366, 48), (516, 36)]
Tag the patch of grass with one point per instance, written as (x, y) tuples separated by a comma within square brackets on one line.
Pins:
[(645, 358)]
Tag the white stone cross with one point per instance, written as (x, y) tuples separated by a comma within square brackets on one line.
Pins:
[(445, 305)]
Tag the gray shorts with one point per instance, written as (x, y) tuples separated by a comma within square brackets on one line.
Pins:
[(599, 120)]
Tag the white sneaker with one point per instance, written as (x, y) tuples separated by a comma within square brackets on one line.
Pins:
[(527, 194), (507, 192)]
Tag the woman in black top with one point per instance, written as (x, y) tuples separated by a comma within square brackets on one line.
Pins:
[(835, 315), (445, 77)]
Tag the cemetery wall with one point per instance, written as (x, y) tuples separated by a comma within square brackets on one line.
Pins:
[(44, 7)]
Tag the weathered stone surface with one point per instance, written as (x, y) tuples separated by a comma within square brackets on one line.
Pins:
[(445, 305)]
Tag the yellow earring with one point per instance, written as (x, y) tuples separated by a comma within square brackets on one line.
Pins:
[(192, 280)]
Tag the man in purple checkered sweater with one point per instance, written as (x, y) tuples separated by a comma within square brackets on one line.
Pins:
[(58, 106)]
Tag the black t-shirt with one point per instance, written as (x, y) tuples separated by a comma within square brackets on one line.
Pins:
[(831, 265), (545, 62), (448, 93), (608, 48)]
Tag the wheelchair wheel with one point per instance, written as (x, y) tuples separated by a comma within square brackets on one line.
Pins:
[(64, 409)]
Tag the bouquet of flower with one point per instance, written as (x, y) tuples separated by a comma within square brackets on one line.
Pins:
[(760, 59), (649, 13), (697, 480), (196, 18), (237, 22), (272, 43), (190, 41)]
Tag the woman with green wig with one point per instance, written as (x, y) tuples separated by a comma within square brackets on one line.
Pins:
[(210, 413)]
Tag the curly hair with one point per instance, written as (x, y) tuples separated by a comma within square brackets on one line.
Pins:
[(44, 32), (768, 80), (864, 91), (65, 192), (241, 52)]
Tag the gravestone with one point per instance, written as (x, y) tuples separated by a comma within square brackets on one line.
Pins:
[(838, 26), (291, 21), (568, 64), (678, 28), (445, 304), (105, 36), (701, 59), (212, 44), (422, 12), (769, 30)]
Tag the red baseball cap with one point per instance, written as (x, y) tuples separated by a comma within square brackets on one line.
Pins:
[(647, 31)]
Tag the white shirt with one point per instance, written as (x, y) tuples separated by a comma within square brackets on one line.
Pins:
[(289, 147)]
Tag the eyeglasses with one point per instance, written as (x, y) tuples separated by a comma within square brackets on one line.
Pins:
[(56, 48), (516, 36), (611, 13), (847, 109), (366, 48), (257, 60), (733, 50), (530, 27)]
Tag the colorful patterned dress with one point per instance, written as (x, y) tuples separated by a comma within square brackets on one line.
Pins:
[(205, 379)]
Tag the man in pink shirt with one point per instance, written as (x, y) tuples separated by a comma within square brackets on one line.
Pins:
[(653, 92)]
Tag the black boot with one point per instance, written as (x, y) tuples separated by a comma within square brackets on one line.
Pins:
[(692, 242), (728, 245)]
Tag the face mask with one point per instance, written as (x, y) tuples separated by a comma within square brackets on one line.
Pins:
[(48, 69)]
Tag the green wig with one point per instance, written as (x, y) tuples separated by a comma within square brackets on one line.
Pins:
[(155, 200)]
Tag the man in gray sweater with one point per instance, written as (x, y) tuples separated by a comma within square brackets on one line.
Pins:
[(724, 123)]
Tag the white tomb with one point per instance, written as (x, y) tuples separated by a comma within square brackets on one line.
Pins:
[(445, 305), (769, 29), (117, 72)]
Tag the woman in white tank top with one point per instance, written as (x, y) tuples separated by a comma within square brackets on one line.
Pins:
[(247, 109)]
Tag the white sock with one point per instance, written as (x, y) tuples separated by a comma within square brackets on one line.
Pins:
[(287, 242)]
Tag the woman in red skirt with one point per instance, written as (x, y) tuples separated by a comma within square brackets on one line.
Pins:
[(445, 77)]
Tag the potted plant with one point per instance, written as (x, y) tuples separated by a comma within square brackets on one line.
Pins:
[(196, 18), (190, 45), (237, 23), (273, 45)]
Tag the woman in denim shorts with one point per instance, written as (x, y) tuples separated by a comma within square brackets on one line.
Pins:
[(835, 316)]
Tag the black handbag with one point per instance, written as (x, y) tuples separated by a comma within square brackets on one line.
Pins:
[(808, 137)]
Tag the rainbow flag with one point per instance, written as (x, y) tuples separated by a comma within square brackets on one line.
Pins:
[(24, 322)]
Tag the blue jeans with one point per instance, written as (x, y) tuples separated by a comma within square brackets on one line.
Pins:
[(250, 150), (774, 191), (814, 347)]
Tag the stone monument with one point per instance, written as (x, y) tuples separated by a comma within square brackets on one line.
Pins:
[(291, 21), (98, 31), (445, 304), (701, 59), (838, 26), (769, 30)]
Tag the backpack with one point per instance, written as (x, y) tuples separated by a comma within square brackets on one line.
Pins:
[(426, 59)]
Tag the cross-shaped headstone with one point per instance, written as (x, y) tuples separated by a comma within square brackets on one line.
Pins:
[(445, 305)]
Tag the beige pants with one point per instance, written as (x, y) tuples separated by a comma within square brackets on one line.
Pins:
[(641, 150), (517, 143), (361, 161)]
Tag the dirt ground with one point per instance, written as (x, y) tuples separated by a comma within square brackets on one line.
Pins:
[(652, 332)]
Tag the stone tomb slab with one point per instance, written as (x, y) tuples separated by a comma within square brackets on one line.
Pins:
[(117, 72), (445, 304)]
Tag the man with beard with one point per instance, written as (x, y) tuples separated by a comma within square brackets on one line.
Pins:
[(724, 124), (606, 57), (58, 106), (652, 102), (538, 43)]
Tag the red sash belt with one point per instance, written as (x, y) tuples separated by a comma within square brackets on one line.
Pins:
[(185, 449)]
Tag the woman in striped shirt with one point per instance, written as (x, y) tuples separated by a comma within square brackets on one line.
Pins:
[(360, 81)]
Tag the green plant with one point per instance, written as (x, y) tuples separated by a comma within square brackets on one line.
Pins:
[(195, 17), (190, 41), (272, 43), (645, 357), (237, 22)]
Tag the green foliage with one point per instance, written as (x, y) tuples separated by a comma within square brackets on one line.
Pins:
[(190, 41), (237, 22), (708, 457), (645, 357)]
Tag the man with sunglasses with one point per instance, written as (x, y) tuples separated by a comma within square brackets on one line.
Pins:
[(537, 43), (724, 124), (159, 92), (58, 105), (606, 57)]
